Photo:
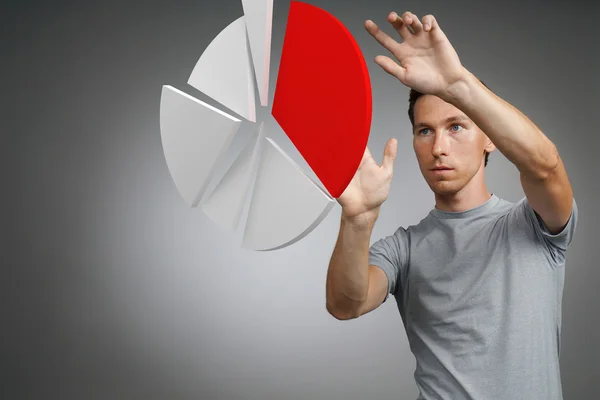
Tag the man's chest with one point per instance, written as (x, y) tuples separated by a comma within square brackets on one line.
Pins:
[(475, 277)]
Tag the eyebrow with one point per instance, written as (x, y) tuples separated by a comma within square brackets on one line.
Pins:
[(455, 118)]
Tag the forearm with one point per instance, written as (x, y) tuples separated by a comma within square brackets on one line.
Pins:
[(513, 134), (348, 273)]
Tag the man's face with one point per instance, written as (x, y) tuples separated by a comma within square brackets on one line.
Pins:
[(444, 137)]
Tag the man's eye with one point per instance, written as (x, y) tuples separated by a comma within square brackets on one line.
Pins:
[(456, 126), (423, 131)]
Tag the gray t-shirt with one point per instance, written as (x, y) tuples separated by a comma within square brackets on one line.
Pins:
[(480, 293)]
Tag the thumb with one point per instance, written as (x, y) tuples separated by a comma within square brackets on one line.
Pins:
[(389, 155), (392, 68)]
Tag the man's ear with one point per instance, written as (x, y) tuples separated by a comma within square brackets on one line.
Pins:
[(489, 145)]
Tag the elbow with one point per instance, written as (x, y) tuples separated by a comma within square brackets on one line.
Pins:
[(341, 314)]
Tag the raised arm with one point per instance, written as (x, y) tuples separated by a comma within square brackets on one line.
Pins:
[(353, 287), (430, 65), (543, 175)]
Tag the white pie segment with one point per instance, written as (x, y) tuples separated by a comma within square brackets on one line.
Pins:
[(259, 22), (224, 71), (194, 136), (286, 205), (226, 203)]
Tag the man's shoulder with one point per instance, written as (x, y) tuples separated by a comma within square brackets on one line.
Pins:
[(425, 224), (429, 223)]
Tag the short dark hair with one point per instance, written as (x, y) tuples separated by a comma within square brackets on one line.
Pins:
[(413, 96)]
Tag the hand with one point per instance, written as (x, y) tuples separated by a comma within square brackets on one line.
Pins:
[(370, 186), (428, 62)]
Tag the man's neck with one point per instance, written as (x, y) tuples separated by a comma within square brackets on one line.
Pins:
[(466, 199)]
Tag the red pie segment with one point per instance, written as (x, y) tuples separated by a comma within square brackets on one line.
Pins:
[(323, 95)]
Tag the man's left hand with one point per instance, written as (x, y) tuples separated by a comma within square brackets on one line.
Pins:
[(428, 62)]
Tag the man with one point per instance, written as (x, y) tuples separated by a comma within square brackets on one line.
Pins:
[(478, 282)]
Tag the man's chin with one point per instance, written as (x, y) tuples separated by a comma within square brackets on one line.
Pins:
[(443, 187)]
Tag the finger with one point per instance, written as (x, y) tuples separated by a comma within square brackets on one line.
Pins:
[(412, 20), (367, 155), (399, 25), (383, 38), (389, 155), (429, 23), (391, 67)]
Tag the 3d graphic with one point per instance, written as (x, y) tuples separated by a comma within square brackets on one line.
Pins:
[(225, 204), (323, 95), (259, 18), (322, 102), (286, 205), (194, 136), (224, 71)]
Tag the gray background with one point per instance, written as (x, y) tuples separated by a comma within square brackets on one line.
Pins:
[(113, 289)]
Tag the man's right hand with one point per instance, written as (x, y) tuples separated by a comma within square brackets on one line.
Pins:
[(370, 186)]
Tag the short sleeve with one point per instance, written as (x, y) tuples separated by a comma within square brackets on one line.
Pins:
[(555, 244), (391, 254)]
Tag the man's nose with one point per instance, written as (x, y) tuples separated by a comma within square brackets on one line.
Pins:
[(440, 145)]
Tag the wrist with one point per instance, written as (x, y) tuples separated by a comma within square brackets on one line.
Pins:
[(364, 220), (457, 91)]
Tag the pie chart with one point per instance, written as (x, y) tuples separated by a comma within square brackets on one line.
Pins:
[(322, 101)]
